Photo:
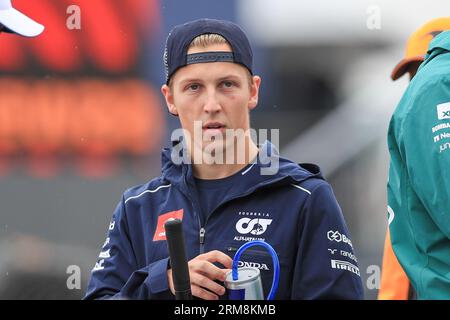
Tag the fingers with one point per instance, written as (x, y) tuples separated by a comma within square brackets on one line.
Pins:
[(170, 281), (208, 269), (203, 282), (200, 284), (203, 293), (217, 256), (203, 273)]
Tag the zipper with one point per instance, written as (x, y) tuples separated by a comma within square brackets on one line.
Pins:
[(202, 236), (202, 230), (196, 213)]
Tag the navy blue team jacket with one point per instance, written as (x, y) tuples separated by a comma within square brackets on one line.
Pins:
[(294, 210)]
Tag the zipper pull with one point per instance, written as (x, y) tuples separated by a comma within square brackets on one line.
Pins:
[(202, 235)]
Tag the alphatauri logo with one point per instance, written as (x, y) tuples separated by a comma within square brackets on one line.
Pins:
[(253, 226)]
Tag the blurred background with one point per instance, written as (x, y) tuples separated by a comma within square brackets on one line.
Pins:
[(82, 119)]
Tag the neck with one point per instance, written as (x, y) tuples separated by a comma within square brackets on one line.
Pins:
[(219, 171)]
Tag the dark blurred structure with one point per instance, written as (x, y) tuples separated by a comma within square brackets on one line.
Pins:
[(80, 122), (33, 268)]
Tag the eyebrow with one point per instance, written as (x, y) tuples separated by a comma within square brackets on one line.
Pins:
[(230, 76), (185, 81)]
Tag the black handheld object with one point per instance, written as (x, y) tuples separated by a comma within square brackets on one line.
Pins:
[(178, 260)]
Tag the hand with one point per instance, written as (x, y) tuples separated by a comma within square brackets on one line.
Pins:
[(202, 273)]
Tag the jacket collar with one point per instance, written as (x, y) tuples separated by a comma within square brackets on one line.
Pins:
[(268, 169), (440, 44)]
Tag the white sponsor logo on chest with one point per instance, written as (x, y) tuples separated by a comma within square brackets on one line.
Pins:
[(443, 111)]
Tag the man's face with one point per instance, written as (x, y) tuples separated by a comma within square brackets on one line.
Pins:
[(219, 94)]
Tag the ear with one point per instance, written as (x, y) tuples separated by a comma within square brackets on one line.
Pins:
[(168, 96), (254, 92)]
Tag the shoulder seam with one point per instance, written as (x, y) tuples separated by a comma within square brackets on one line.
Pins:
[(320, 184), (147, 191), (306, 190)]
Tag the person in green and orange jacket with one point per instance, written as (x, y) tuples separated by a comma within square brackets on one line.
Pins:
[(395, 284)]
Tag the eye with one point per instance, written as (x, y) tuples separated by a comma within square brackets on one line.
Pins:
[(193, 87), (227, 84)]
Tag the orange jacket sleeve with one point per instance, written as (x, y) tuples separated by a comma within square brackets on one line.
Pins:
[(394, 281)]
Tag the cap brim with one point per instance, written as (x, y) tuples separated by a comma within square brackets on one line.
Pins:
[(402, 67), (19, 23)]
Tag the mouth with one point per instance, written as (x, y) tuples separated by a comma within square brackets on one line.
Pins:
[(213, 127)]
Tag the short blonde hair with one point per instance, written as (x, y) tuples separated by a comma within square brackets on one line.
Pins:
[(205, 40)]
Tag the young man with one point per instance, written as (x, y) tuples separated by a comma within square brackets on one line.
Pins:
[(395, 284), (13, 21), (223, 204), (419, 174)]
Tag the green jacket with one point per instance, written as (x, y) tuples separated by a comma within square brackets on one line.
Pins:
[(419, 175)]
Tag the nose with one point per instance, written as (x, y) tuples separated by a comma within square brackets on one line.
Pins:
[(212, 104)]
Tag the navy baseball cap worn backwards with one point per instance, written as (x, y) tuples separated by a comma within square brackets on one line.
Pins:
[(179, 39)]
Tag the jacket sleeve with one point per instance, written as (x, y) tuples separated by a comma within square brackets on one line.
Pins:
[(424, 143), (394, 284), (326, 266), (116, 274)]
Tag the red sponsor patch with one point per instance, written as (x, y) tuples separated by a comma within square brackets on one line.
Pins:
[(160, 233)]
